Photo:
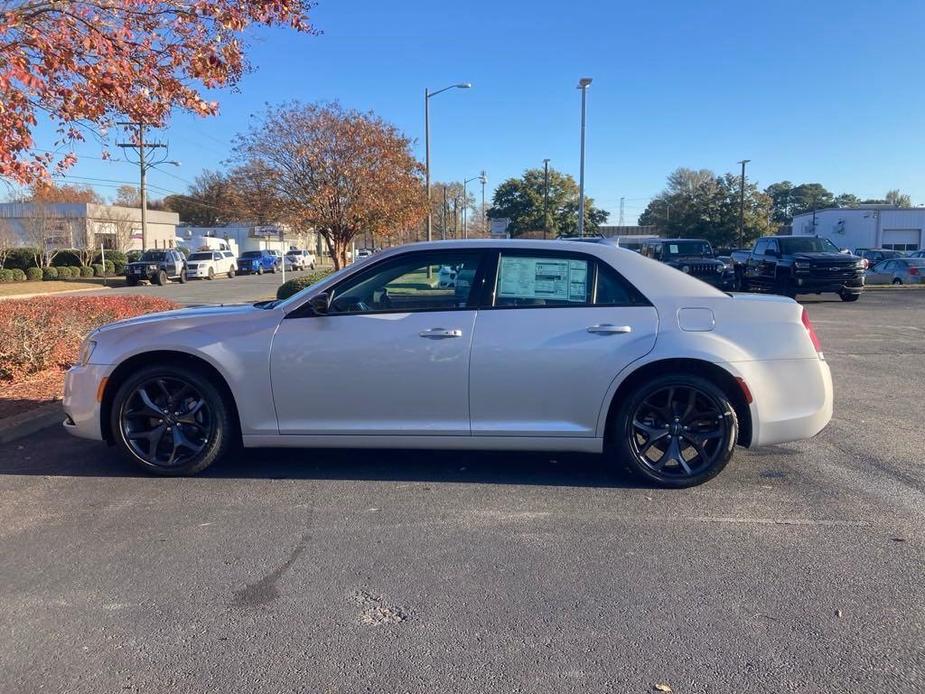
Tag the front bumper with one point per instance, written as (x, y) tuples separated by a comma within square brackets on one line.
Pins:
[(809, 284), (198, 272), (81, 407)]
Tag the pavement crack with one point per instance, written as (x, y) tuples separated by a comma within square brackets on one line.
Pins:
[(265, 590)]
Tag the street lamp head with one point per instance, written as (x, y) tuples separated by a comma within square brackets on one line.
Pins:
[(584, 82), (174, 163), (464, 85)]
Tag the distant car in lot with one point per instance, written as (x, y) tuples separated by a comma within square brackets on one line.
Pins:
[(547, 347), (300, 260), (257, 262), (916, 254), (897, 271), (872, 256), (694, 257), (209, 264), (363, 253), (157, 267), (446, 277)]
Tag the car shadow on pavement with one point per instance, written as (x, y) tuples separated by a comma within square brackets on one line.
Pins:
[(57, 454)]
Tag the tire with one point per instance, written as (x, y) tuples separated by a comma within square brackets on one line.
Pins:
[(182, 277), (231, 273), (845, 296), (213, 437), (260, 269), (160, 278), (274, 269), (211, 274), (650, 412), (897, 281)]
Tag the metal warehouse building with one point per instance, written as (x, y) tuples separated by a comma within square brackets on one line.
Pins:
[(867, 226)]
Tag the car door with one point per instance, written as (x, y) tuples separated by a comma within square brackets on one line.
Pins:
[(881, 273), (558, 329), (390, 357), (755, 260)]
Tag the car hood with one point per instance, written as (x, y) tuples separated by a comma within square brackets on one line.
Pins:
[(827, 257), (687, 259), (182, 316)]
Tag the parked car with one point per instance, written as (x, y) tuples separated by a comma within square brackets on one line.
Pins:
[(917, 254), (209, 264), (791, 265), (258, 262), (872, 256), (364, 253), (300, 260), (897, 271), (552, 347), (157, 266), (692, 256)]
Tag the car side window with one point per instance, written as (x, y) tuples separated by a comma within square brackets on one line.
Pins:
[(527, 281), (772, 246), (418, 282), (613, 290), (761, 247)]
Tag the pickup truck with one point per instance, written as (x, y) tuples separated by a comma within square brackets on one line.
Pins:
[(692, 256), (157, 267), (791, 265)]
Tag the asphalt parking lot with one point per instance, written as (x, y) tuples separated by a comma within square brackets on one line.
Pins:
[(799, 569)]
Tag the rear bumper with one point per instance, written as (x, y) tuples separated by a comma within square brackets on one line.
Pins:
[(792, 398), (82, 410)]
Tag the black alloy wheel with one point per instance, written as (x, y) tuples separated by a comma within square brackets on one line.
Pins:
[(171, 421), (678, 430)]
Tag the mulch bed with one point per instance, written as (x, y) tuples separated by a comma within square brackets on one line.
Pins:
[(16, 398)]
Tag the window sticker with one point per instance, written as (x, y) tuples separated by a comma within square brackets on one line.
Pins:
[(673, 248), (543, 278)]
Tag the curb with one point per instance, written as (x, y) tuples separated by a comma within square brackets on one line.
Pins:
[(11, 297), (21, 425)]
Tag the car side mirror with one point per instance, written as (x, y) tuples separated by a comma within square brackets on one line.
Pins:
[(320, 303)]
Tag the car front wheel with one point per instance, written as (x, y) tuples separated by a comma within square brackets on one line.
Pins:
[(678, 430), (260, 270), (171, 421)]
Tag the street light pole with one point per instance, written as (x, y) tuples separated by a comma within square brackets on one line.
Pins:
[(742, 203), (545, 197), (484, 179), (466, 183), (583, 85), (427, 96)]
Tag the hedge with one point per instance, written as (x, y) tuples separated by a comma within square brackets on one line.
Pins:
[(22, 258), (33, 273), (98, 270), (49, 273), (117, 259), (46, 332), (291, 287), (66, 258), (86, 271), (18, 275), (6, 275)]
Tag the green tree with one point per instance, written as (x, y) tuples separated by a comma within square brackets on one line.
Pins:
[(207, 202), (788, 200), (522, 201), (898, 199), (847, 200), (700, 204)]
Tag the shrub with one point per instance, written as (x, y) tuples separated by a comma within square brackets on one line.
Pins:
[(49, 273), (98, 270), (85, 271), (110, 267), (73, 271), (66, 258), (6, 275), (18, 275), (22, 258), (33, 273), (45, 332), (291, 287), (115, 258)]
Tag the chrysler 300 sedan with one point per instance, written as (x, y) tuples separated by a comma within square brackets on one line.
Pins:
[(546, 347)]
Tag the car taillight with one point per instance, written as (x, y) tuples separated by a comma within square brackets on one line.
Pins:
[(913, 271), (808, 324)]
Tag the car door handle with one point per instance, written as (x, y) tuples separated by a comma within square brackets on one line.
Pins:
[(440, 333), (608, 329)]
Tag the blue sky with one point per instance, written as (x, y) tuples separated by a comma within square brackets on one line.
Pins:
[(819, 90)]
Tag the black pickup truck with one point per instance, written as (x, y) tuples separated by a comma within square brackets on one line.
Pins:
[(693, 256), (791, 265)]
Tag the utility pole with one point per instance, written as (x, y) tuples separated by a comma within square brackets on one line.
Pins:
[(545, 197), (143, 164), (620, 223), (583, 85), (446, 210), (483, 178), (742, 203)]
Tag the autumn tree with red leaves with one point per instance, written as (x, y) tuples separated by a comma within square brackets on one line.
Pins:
[(340, 171), (86, 63)]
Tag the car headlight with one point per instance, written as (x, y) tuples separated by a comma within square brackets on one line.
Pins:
[(801, 265), (152, 267), (685, 268), (86, 351), (861, 264)]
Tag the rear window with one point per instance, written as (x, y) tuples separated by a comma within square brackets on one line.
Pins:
[(251, 254), (200, 256)]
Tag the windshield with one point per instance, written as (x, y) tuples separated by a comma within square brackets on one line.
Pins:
[(685, 248), (251, 254), (807, 244), (294, 253), (200, 256), (153, 256)]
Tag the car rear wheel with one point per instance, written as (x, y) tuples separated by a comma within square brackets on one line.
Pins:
[(160, 278), (182, 277), (897, 281), (231, 273), (678, 430), (847, 296), (171, 421), (211, 274), (260, 269)]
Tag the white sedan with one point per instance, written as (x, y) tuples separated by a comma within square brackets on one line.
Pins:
[(210, 264), (550, 347)]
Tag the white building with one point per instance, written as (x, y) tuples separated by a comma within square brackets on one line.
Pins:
[(867, 226), (86, 225)]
